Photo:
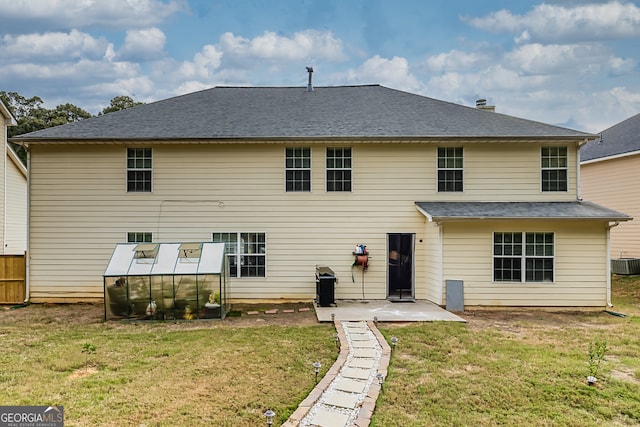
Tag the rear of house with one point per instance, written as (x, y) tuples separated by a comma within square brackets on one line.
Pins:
[(291, 179)]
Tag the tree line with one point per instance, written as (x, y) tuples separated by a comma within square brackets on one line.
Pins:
[(31, 115)]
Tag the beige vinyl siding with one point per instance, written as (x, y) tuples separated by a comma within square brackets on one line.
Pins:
[(80, 209), (433, 290), (79, 206), (615, 184), (580, 264), (16, 209)]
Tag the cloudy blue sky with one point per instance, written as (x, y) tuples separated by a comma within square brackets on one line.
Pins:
[(566, 62)]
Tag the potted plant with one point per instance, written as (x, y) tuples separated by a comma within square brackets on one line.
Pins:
[(212, 307)]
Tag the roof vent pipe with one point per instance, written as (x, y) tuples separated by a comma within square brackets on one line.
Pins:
[(481, 104), (310, 85)]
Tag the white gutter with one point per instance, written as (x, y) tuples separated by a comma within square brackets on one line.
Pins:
[(608, 266), (425, 213)]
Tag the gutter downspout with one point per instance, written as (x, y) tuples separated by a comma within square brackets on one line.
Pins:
[(578, 186), (608, 267), (27, 277)]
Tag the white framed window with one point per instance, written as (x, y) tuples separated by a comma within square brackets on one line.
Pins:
[(450, 169), (338, 169), (523, 257), (298, 169), (139, 170), (553, 162), (246, 253), (139, 237)]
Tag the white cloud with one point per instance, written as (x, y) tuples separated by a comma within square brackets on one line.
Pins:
[(50, 47), (553, 23), (303, 45), (18, 15), (455, 60), (394, 73), (204, 64), (537, 58), (142, 45)]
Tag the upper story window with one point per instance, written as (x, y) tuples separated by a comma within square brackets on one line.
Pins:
[(338, 169), (554, 168), (450, 169), (139, 170), (298, 169), (523, 257)]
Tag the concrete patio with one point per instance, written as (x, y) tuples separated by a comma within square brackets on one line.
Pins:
[(385, 311)]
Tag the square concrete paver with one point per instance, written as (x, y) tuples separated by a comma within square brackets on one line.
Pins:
[(359, 337), (363, 344), (351, 386), (342, 400), (364, 352), (357, 373), (329, 419), (362, 363)]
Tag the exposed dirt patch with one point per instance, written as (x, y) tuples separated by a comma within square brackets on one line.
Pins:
[(83, 372), (291, 314)]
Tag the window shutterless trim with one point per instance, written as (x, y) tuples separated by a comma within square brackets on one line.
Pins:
[(297, 170), (338, 169), (450, 170), (524, 255), (554, 169), (139, 170), (246, 253)]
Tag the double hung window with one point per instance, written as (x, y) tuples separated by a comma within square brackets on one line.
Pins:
[(139, 170), (298, 169), (450, 172), (523, 257), (554, 168), (246, 253), (338, 169)]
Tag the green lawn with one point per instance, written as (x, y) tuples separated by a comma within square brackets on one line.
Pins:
[(506, 368), (516, 369)]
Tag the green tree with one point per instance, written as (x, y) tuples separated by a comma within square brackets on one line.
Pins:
[(120, 103), (31, 116)]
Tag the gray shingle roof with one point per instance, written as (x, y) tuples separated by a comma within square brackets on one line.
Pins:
[(291, 112), (519, 210), (621, 138)]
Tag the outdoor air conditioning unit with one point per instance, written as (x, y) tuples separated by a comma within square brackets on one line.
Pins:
[(626, 266)]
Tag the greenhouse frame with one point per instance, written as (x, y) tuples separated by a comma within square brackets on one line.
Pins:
[(166, 281)]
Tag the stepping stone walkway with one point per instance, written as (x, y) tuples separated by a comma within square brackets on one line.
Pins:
[(347, 394)]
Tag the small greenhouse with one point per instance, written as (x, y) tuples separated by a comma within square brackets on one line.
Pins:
[(166, 281)]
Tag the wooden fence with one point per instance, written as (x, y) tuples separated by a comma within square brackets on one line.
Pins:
[(13, 278)]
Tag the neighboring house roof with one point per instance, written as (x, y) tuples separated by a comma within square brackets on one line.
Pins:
[(439, 211), (9, 119), (620, 139), (252, 113)]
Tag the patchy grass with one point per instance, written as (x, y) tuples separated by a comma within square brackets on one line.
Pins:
[(160, 374), (516, 368), (510, 367)]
